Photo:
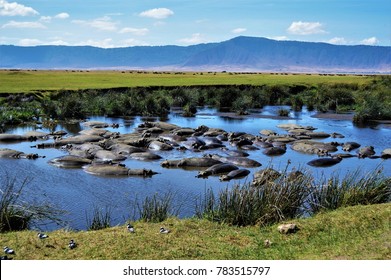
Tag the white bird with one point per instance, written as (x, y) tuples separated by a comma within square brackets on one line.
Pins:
[(42, 235), (72, 244), (164, 231), (130, 228), (8, 250)]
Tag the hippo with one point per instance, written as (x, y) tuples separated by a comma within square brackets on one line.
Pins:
[(368, 151), (325, 162), (124, 149), (274, 151), (318, 134), (313, 147), (217, 169), (235, 174), (386, 153), (70, 161), (117, 170), (5, 137), (348, 146), (159, 146), (190, 162), (183, 131), (95, 124), (215, 132), (9, 153), (37, 135), (163, 125), (108, 156), (145, 156), (79, 139), (235, 153), (241, 161), (267, 132)]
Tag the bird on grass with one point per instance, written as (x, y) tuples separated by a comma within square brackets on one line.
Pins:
[(130, 228), (8, 250), (72, 244), (164, 231), (42, 236)]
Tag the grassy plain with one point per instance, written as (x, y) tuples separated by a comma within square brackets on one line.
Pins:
[(359, 232), (30, 81)]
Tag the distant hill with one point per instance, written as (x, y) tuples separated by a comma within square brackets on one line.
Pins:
[(237, 54)]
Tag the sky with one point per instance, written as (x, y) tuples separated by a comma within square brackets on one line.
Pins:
[(123, 23)]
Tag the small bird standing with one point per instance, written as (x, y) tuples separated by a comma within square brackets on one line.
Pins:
[(42, 236), (8, 250), (72, 244), (130, 228), (164, 231)]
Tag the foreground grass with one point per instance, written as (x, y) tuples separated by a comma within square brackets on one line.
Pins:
[(359, 232), (31, 81)]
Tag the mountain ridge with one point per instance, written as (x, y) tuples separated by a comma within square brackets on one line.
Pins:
[(237, 54)]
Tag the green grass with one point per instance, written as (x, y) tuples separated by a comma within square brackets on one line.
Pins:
[(31, 81), (359, 232)]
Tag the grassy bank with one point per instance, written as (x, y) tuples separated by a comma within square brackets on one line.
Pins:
[(359, 232), (31, 81)]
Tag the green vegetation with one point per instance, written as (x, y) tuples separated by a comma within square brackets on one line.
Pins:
[(359, 232)]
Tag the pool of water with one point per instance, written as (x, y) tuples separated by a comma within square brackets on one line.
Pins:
[(80, 193)]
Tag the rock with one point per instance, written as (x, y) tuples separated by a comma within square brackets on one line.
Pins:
[(287, 228)]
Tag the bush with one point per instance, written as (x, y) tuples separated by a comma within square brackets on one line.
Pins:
[(156, 208), (100, 219)]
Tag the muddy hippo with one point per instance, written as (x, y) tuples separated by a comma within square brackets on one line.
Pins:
[(313, 147), (241, 161), (217, 169), (9, 153), (79, 139), (163, 125), (325, 162), (235, 174), (348, 146), (386, 154), (274, 151), (190, 162), (364, 152), (95, 124), (70, 161), (124, 149), (117, 170), (267, 132), (235, 153)]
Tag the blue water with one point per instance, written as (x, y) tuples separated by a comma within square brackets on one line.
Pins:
[(79, 193)]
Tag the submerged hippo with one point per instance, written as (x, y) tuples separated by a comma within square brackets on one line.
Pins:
[(190, 162), (144, 156), (9, 153), (70, 161), (5, 137), (235, 174), (274, 151), (159, 146), (364, 152), (348, 146), (79, 139), (242, 161), (109, 156), (117, 170), (313, 147), (325, 162), (386, 154), (217, 169)]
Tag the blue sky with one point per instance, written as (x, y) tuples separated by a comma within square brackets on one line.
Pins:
[(121, 23)]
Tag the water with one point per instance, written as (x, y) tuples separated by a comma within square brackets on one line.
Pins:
[(79, 193)]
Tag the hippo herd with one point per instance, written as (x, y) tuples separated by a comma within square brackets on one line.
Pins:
[(100, 151)]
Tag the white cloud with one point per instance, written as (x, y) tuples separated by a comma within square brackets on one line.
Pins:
[(196, 38), (158, 13), (133, 42), (134, 31), (15, 9), (337, 41), (23, 24), (106, 43), (305, 28), (103, 23), (29, 42), (238, 30), (279, 38), (62, 16), (370, 41), (46, 19)]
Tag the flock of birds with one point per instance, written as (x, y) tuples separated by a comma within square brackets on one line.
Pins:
[(72, 244)]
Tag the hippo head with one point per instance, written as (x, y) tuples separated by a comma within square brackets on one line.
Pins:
[(164, 163)]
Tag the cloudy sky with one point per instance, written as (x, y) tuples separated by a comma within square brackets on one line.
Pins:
[(121, 23)]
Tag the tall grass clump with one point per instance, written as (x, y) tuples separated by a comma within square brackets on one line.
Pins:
[(265, 203), (157, 208), (100, 219), (17, 214), (353, 189)]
